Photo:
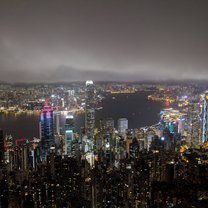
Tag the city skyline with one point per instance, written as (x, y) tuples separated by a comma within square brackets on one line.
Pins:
[(103, 40), (156, 155)]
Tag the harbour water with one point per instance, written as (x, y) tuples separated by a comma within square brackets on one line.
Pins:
[(135, 107)]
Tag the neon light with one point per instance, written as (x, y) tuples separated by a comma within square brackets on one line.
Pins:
[(48, 115)]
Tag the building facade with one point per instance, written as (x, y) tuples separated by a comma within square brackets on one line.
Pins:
[(1, 148), (69, 135), (90, 110), (205, 118), (47, 128), (122, 125)]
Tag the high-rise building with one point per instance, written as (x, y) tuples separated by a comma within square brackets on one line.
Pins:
[(122, 125), (205, 118), (194, 124), (8, 149), (69, 135), (47, 128), (57, 122), (90, 110), (1, 148)]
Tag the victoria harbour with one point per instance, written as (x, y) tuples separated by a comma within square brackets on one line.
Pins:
[(139, 111)]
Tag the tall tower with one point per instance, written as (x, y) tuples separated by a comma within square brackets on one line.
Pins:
[(57, 122), (1, 148), (69, 135), (8, 149), (122, 125), (90, 110), (194, 121), (47, 125), (205, 118)]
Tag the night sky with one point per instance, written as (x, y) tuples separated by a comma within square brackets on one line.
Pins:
[(65, 40)]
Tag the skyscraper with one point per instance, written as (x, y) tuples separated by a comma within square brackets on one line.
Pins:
[(69, 135), (90, 110), (47, 131), (1, 148), (122, 125), (194, 112), (205, 118), (57, 122), (8, 149)]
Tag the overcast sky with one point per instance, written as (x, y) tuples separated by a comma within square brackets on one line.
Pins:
[(65, 40)]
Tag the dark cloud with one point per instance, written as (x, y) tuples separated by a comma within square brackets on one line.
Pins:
[(103, 40), (64, 74)]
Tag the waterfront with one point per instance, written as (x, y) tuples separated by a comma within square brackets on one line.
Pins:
[(134, 106)]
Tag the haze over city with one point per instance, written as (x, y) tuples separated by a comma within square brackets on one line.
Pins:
[(47, 41)]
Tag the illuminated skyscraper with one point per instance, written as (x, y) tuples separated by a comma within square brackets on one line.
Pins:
[(8, 149), (57, 123), (90, 110), (194, 111), (205, 118), (69, 135), (122, 125), (1, 148), (47, 128)]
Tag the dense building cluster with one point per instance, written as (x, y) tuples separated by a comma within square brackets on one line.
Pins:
[(158, 166)]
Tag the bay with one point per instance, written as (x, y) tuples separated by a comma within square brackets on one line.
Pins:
[(135, 107)]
